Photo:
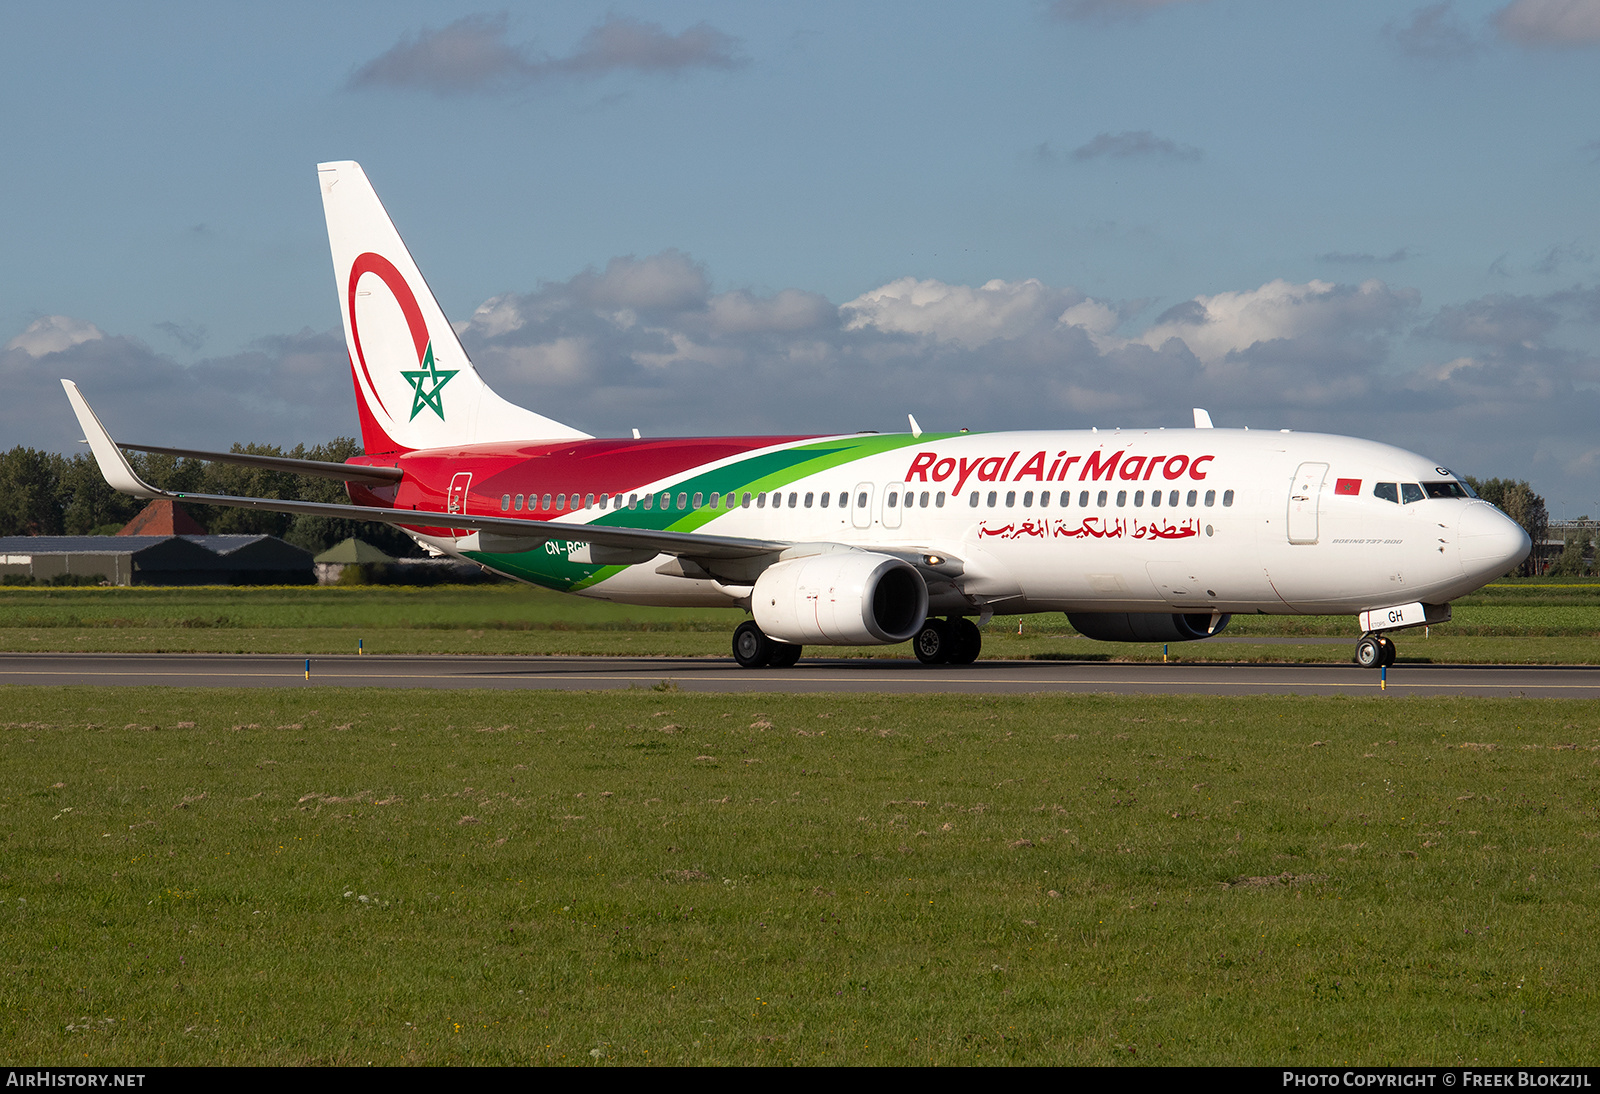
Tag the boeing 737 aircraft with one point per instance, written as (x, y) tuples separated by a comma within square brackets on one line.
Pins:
[(1143, 535)]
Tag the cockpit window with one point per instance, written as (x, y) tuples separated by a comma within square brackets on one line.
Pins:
[(1410, 492), (1387, 491), (1445, 490)]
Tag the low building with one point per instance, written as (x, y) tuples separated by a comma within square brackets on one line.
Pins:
[(155, 560), (331, 563)]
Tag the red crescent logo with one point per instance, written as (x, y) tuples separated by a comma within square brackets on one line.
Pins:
[(371, 263)]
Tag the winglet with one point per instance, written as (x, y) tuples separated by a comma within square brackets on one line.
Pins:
[(113, 464), (1202, 419)]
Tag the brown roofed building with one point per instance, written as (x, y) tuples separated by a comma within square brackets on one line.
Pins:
[(163, 517)]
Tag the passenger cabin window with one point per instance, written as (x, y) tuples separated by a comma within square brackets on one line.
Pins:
[(844, 499), (1122, 498), (992, 498), (938, 500), (792, 496), (1211, 498), (1227, 498), (1100, 499), (1386, 491), (808, 499), (1410, 492), (683, 501), (825, 497), (972, 500), (505, 502)]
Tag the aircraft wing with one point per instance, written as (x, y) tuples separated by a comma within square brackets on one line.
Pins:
[(321, 469), (120, 474)]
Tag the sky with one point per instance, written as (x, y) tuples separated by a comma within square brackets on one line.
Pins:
[(1372, 219)]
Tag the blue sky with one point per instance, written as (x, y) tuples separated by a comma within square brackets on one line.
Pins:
[(1364, 218)]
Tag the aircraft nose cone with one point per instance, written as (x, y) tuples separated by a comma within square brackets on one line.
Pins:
[(1491, 542)]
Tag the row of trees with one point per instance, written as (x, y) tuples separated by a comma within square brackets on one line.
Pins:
[(46, 494), (1516, 499)]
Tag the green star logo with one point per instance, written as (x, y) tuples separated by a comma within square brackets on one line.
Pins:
[(427, 382)]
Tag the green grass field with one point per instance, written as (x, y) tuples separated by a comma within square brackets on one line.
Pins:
[(1522, 622), (341, 877)]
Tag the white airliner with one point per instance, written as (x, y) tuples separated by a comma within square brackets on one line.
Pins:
[(1144, 535)]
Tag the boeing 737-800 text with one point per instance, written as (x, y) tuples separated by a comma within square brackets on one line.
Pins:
[(1154, 535)]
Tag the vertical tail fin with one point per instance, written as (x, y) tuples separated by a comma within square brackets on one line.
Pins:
[(415, 387)]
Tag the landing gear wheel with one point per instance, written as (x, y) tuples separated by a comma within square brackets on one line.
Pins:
[(966, 641), (1370, 650), (784, 655), (933, 642), (751, 648), (1389, 652)]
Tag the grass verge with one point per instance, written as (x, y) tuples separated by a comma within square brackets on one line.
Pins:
[(1524, 624), (338, 877)]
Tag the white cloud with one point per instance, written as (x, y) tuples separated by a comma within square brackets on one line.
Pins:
[(960, 313), (623, 43), (1134, 144), (740, 312), (667, 280), (1550, 22), (470, 54), (474, 55), (496, 316), (1435, 32), (53, 334), (1213, 327)]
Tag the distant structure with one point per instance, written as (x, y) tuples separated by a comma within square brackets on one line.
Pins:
[(357, 562), (331, 563), (162, 517), (153, 560)]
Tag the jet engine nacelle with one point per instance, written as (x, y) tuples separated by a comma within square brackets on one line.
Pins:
[(841, 598), (1146, 626)]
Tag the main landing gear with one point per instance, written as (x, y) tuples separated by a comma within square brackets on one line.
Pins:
[(754, 650), (1374, 651), (948, 641), (939, 642)]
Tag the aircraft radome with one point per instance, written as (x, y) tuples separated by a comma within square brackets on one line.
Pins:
[(1143, 535)]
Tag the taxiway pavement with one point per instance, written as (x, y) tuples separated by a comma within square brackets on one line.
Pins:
[(893, 676)]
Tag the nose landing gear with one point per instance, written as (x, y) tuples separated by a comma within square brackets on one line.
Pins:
[(1374, 651)]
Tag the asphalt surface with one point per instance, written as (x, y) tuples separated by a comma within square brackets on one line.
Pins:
[(833, 675)]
